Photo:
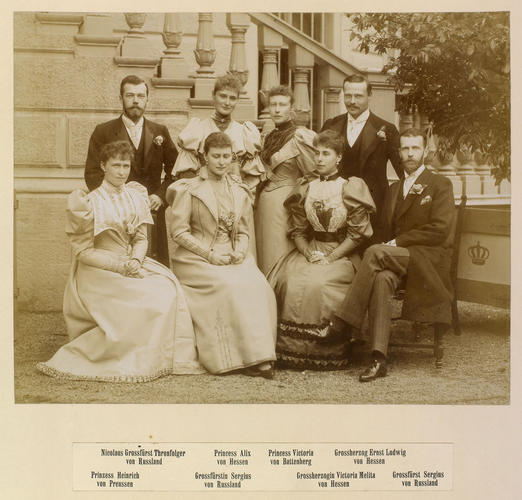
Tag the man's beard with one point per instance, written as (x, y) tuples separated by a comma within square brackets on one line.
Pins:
[(134, 112), (412, 165)]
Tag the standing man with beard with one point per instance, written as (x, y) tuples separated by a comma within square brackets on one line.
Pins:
[(154, 153)]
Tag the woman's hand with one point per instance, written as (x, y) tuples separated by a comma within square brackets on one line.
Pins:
[(155, 202), (220, 259), (133, 268), (237, 257), (315, 256)]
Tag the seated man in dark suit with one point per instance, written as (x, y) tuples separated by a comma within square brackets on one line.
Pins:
[(415, 229), (369, 141), (154, 153)]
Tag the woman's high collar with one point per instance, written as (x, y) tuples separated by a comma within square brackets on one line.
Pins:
[(285, 126)]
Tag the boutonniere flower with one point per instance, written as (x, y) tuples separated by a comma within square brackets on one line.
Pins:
[(158, 140), (381, 133), (417, 188), (426, 199)]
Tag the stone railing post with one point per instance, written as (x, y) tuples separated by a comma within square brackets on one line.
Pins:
[(238, 24), (135, 49), (447, 168), (301, 96), (484, 171), (205, 52), (301, 63), (332, 98), (466, 171), (205, 55), (270, 43), (330, 81), (172, 64), (172, 69)]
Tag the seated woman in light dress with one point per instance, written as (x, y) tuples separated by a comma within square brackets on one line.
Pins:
[(126, 314), (245, 139), (329, 218), (231, 303), (287, 155)]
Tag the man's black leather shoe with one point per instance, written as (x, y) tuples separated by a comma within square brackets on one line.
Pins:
[(378, 369)]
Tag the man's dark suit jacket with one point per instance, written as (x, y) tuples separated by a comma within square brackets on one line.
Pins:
[(159, 155), (423, 224), (374, 154), (156, 158)]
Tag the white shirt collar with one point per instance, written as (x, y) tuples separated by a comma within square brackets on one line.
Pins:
[(130, 124), (363, 117), (409, 180)]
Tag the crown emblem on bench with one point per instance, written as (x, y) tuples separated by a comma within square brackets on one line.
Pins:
[(478, 254)]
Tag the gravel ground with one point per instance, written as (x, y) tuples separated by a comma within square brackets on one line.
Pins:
[(476, 371)]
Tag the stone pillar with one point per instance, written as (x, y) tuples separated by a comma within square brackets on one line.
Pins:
[(238, 24), (466, 171), (205, 52), (205, 55), (301, 63), (135, 49), (447, 168), (332, 102), (172, 65), (96, 37), (301, 77), (484, 171), (270, 43), (330, 81), (173, 70)]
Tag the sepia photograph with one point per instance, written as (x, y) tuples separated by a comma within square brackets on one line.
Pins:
[(229, 208), (261, 251)]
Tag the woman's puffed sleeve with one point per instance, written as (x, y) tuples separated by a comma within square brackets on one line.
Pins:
[(297, 222), (359, 204), (188, 142), (180, 200), (79, 227), (304, 138), (141, 198), (139, 188), (252, 168), (79, 222)]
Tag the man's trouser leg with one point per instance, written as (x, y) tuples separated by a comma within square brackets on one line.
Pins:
[(377, 258), (380, 309)]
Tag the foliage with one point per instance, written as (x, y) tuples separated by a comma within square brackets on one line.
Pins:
[(452, 67)]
